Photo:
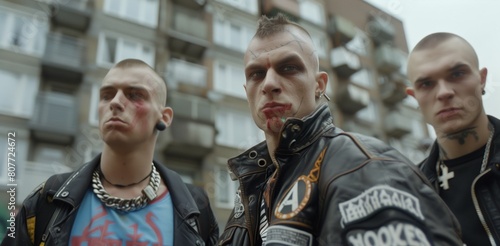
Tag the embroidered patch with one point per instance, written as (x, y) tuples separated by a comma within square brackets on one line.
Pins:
[(239, 210), (392, 234), (283, 235), (377, 198), (295, 199)]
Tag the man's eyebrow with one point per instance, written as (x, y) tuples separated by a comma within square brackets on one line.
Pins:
[(457, 66), (422, 79), (282, 60)]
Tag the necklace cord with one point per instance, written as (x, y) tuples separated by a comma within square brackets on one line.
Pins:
[(120, 185)]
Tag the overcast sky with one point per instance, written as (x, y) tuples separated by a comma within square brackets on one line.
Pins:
[(478, 21)]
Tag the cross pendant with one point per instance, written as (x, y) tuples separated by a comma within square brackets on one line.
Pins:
[(445, 176)]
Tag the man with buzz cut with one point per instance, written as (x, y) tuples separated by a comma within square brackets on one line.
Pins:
[(464, 162), (122, 196)]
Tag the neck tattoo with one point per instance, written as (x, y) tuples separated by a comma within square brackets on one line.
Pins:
[(444, 176)]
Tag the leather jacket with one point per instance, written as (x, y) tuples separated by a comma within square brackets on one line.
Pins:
[(334, 188), (486, 190), (186, 210)]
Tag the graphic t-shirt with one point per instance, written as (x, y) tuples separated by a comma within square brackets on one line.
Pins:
[(96, 224)]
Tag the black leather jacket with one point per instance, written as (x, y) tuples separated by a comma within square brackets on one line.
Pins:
[(72, 191), (335, 188), (486, 190)]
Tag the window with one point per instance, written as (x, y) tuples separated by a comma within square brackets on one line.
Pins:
[(312, 11), (142, 11), (18, 93), (232, 34), (225, 190), (22, 32), (229, 78), (249, 6), (237, 129), (114, 48)]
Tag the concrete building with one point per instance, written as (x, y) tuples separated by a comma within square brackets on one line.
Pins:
[(54, 54)]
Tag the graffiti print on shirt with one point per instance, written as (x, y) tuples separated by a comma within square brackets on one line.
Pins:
[(395, 233), (377, 198)]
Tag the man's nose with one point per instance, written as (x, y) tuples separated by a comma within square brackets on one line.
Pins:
[(271, 83), (444, 90), (117, 102)]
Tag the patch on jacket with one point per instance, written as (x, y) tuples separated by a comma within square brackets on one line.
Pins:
[(239, 210), (283, 235), (378, 198), (295, 199), (395, 233)]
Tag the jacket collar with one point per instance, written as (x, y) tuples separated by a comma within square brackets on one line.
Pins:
[(74, 188), (296, 134), (428, 165)]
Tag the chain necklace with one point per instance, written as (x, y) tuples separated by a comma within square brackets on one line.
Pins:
[(149, 193), (445, 175)]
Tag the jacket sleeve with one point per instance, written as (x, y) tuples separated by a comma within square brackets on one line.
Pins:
[(208, 226), (385, 202), (23, 232)]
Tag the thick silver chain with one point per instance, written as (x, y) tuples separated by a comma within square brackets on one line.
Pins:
[(125, 205)]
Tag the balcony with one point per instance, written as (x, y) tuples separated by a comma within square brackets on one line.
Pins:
[(387, 59), (73, 14), (63, 58), (344, 62), (380, 31), (393, 89), (54, 118), (192, 4), (186, 77), (350, 99), (289, 8), (193, 126), (35, 173), (188, 32), (397, 125), (341, 30)]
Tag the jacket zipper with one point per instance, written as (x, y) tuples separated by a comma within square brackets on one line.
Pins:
[(271, 189), (478, 209)]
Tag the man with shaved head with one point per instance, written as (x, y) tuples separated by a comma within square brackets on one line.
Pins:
[(464, 161), (310, 183), (122, 196)]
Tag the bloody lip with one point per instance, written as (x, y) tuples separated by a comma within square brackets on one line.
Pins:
[(271, 110)]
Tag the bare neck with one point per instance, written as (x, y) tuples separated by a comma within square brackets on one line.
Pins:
[(272, 143), (126, 167), (452, 146)]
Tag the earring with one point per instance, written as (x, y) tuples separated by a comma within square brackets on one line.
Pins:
[(483, 92)]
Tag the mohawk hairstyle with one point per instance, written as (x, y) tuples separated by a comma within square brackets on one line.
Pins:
[(276, 24)]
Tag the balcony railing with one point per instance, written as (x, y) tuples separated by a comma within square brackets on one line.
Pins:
[(186, 76), (54, 118), (387, 59), (351, 99), (344, 62), (341, 30), (381, 31), (64, 50)]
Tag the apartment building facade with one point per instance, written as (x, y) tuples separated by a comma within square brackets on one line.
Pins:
[(55, 53)]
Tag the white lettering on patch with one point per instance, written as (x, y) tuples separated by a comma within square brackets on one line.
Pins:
[(393, 234), (284, 235), (376, 198)]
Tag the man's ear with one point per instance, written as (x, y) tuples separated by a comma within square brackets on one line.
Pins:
[(167, 115), (484, 74), (321, 82), (410, 91)]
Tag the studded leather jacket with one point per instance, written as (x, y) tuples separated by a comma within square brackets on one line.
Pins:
[(486, 187), (329, 187)]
